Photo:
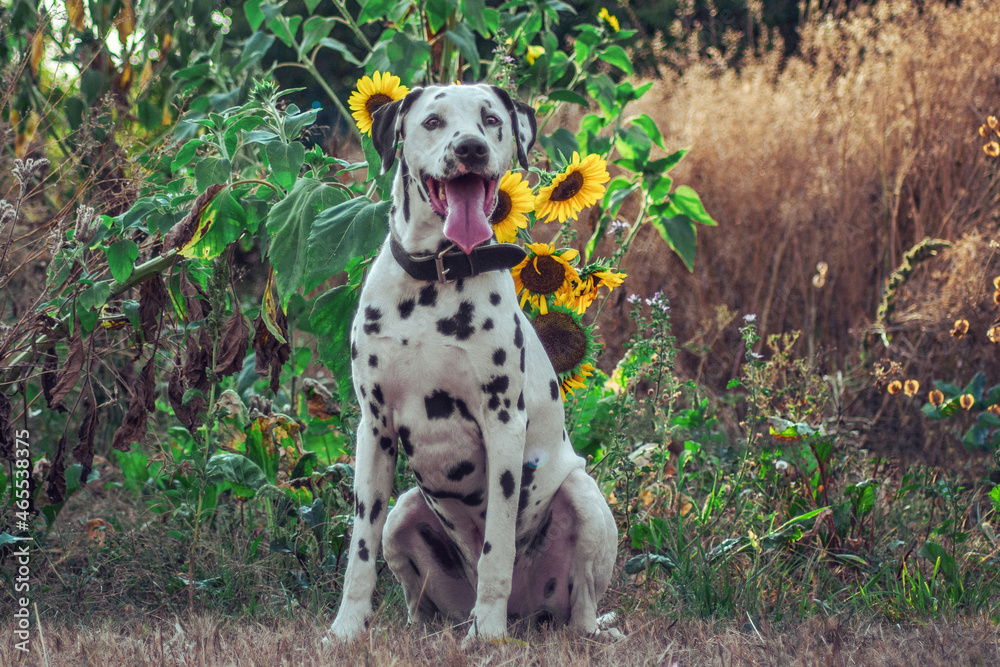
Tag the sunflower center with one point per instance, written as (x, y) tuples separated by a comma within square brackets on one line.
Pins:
[(546, 278), (503, 208), (568, 188), (564, 340), (375, 101)]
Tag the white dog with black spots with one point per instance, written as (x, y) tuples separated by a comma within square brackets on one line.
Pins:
[(505, 522)]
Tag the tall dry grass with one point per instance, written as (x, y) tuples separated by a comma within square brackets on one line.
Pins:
[(848, 154)]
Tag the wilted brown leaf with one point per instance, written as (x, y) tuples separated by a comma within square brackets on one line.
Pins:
[(48, 377), (69, 374), (187, 414), (319, 400), (133, 428), (74, 12), (270, 337), (232, 347), (98, 530), (125, 21), (189, 230), (84, 450), (153, 301), (195, 299), (56, 479), (37, 50)]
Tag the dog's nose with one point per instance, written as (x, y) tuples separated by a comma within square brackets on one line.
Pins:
[(472, 151)]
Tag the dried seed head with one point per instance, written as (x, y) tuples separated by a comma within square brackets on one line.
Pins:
[(819, 280), (994, 410), (24, 170), (85, 225), (911, 387), (961, 328), (936, 397), (966, 401), (895, 387), (992, 122), (994, 333)]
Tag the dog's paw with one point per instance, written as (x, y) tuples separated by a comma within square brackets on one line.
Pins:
[(485, 628), (346, 627), (606, 632)]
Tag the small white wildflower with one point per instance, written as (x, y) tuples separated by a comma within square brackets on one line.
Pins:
[(618, 226), (632, 298), (756, 355), (750, 317), (781, 465)]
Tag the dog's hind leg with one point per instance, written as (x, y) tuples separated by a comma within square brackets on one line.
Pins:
[(426, 562), (374, 466)]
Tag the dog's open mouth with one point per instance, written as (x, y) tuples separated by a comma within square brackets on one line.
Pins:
[(466, 202)]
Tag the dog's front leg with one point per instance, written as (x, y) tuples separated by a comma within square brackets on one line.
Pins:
[(504, 456), (374, 467)]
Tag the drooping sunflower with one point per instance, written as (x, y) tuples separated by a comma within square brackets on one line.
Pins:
[(585, 291), (373, 92), (514, 199), (569, 344), (609, 19), (544, 274), (579, 185)]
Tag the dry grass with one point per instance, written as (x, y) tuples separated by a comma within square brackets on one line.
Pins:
[(209, 640), (847, 155)]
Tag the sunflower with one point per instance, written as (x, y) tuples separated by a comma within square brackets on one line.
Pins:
[(514, 199), (611, 20), (371, 94), (534, 52), (585, 291), (544, 273), (579, 185), (569, 344)]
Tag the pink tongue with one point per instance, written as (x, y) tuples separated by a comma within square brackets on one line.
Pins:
[(466, 224)]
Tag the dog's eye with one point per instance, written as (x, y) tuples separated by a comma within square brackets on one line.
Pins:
[(433, 123), (493, 121)]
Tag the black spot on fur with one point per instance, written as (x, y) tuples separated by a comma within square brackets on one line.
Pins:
[(554, 390), (372, 328), (569, 586), (443, 550), (374, 409), (447, 524), (458, 325), (503, 416), (522, 359), (377, 394), (460, 284), (518, 334), (354, 351), (376, 510), (362, 551), (439, 405), (550, 588), (507, 483), (405, 341), (527, 475), (522, 500), (488, 324), (416, 570), (499, 356), (385, 442), (506, 402), (404, 437), (364, 393), (463, 410), (473, 499), (494, 402), (428, 296), (372, 313), (540, 537), (439, 96), (375, 431), (372, 361), (461, 471), (360, 511), (406, 308), (520, 401), (405, 172), (494, 298), (487, 547), (420, 480), (498, 385)]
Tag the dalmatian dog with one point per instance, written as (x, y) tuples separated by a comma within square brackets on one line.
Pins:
[(505, 521)]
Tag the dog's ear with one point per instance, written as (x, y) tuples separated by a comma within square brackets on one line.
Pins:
[(387, 127), (522, 118)]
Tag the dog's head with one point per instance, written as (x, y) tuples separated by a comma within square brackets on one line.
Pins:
[(458, 141)]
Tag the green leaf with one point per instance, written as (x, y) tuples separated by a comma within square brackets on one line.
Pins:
[(465, 41), (186, 153), (235, 468), (295, 122), (565, 95), (560, 145), (474, 11), (290, 222), (687, 202), (285, 28), (679, 233), (340, 47), (286, 160), (94, 296), (254, 50), (437, 13), (254, 16), (211, 171), (652, 131), (602, 89), (121, 259), (222, 222), (330, 321), (400, 54), (383, 182), (616, 56), (375, 10), (634, 144), (304, 466), (637, 564), (315, 29), (348, 230)]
